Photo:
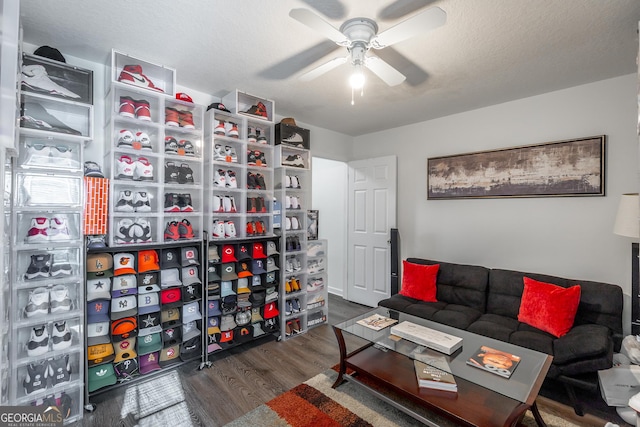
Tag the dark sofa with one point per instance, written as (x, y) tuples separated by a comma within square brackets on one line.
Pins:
[(486, 301)]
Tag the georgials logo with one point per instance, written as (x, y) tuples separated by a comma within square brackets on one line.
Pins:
[(41, 416)]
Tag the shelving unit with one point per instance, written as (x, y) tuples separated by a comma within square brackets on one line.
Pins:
[(317, 285)]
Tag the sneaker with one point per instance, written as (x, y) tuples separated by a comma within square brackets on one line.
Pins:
[(39, 230), (171, 202), (220, 179), (230, 154), (258, 110), (38, 303), (141, 202), (132, 74), (314, 284), (187, 147), (186, 120), (288, 308), (127, 107), (141, 230), (92, 169), (315, 266), (218, 229), (35, 77), (287, 181), (171, 231), (262, 138), (60, 265), (142, 142), (143, 109), (296, 326), (315, 301), (296, 243), (185, 229), (233, 132), (251, 157), (220, 129), (251, 135), (59, 370), (38, 343), (39, 267), (287, 202), (295, 182), (295, 203), (229, 204), (36, 377), (293, 160), (288, 331), (170, 145), (295, 224), (260, 206), (123, 231), (171, 117), (185, 203), (288, 266), (58, 229), (296, 264), (60, 336), (143, 170), (96, 241), (125, 139), (251, 181), (287, 223), (260, 228), (229, 229), (296, 140), (60, 299), (261, 159), (171, 173), (314, 249), (261, 184), (35, 116), (219, 154), (295, 305), (231, 179), (125, 202), (185, 174), (217, 204), (124, 167), (251, 228)]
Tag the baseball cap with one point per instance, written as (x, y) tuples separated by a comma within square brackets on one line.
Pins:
[(228, 254), (99, 265), (190, 256), (243, 301), (190, 275), (124, 285), (213, 325), (191, 292), (170, 317), (243, 252), (258, 297), (97, 311), (272, 295), (98, 289), (270, 310), (243, 286), (148, 303), (226, 288), (213, 308), (101, 376), (149, 362), (213, 254), (257, 329), (228, 322), (289, 121), (49, 52), (148, 282), (148, 261), (191, 348), (127, 369), (271, 277), (184, 97), (149, 324), (149, 344), (171, 336), (226, 337), (257, 266), (243, 270), (218, 106), (124, 263), (124, 328), (213, 343), (171, 297), (255, 315), (212, 272), (170, 258), (243, 317), (125, 349), (256, 283), (191, 312), (258, 250), (271, 265), (213, 288), (271, 248), (229, 272), (123, 307), (92, 169), (169, 278), (170, 355), (244, 334), (101, 353), (98, 333), (190, 330)]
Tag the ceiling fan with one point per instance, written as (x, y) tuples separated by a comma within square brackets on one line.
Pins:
[(360, 35)]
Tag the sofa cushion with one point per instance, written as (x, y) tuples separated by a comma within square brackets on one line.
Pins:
[(548, 307), (583, 341), (458, 316), (400, 303), (494, 326), (419, 281), (532, 338)]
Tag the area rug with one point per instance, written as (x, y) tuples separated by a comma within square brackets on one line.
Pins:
[(315, 404)]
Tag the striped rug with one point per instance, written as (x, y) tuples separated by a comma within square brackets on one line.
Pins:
[(315, 404)]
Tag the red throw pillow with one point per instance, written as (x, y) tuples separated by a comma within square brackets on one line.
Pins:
[(419, 281), (549, 307)]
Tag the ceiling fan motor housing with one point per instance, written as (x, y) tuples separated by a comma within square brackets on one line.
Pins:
[(359, 32)]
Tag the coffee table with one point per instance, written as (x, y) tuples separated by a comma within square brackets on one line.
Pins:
[(483, 398)]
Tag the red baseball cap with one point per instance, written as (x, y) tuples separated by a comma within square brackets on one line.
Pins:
[(170, 296), (183, 97), (228, 254), (258, 251)]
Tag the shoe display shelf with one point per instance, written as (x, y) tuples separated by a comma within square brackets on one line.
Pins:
[(242, 305), (250, 106), (10, 45), (293, 193), (292, 157), (47, 278), (317, 286), (239, 177), (145, 310), (140, 74), (154, 162)]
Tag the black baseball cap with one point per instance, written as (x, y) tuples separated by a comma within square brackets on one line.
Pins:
[(49, 52)]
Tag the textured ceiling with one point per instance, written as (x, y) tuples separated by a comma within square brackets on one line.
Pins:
[(488, 52)]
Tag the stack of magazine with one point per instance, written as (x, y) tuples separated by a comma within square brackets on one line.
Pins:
[(432, 370)]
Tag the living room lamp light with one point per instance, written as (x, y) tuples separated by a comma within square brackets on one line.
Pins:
[(628, 218)]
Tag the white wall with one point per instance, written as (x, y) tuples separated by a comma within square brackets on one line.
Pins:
[(570, 236)]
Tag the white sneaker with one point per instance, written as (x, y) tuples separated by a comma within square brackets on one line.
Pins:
[(141, 230), (220, 129), (218, 229), (287, 181), (229, 229), (58, 229), (141, 202), (143, 170), (293, 160), (287, 202), (143, 141), (217, 204), (123, 231), (125, 202), (39, 230), (38, 343), (295, 224), (230, 153), (38, 304), (124, 167), (125, 139), (218, 153), (288, 223), (295, 182), (294, 203), (230, 204), (61, 336), (60, 299), (288, 266), (233, 131), (220, 180), (35, 77), (231, 179), (251, 137)]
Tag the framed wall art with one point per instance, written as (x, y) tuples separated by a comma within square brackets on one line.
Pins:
[(564, 168)]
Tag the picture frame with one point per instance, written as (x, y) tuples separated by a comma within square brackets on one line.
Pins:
[(312, 224), (573, 167)]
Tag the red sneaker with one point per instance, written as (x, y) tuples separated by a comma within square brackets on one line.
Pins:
[(171, 231), (251, 228), (132, 74), (260, 228), (186, 120), (143, 110), (127, 107), (185, 230), (171, 117)]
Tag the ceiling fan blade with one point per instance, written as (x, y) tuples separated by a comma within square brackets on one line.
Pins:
[(401, 8), (324, 68), (330, 8), (418, 24), (386, 72), (311, 20)]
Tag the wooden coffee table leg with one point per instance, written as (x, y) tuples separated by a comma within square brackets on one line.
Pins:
[(537, 416), (343, 356)]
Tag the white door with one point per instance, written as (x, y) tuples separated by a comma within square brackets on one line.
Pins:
[(372, 213)]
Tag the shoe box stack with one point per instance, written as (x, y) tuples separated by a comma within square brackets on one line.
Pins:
[(46, 318), (144, 312), (242, 293), (317, 288), (154, 156)]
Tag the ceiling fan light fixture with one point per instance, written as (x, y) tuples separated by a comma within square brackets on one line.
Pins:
[(357, 78)]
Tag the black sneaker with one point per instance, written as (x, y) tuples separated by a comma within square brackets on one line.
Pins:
[(171, 173), (185, 174), (294, 160), (40, 267), (251, 157), (251, 181), (184, 202), (125, 202), (296, 243), (170, 145), (260, 182), (60, 265), (262, 160), (171, 202), (259, 204)]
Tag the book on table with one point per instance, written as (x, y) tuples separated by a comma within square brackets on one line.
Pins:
[(495, 361), (376, 322), (431, 377), (428, 337)]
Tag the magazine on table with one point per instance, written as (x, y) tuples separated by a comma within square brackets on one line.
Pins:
[(431, 358), (431, 377), (377, 322), (495, 361)]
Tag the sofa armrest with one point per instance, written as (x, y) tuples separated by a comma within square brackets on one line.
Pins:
[(580, 343)]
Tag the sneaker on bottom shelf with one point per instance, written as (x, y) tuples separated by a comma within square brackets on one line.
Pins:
[(38, 304), (125, 202), (39, 230), (141, 202), (38, 343), (294, 160), (60, 299), (61, 265), (60, 336), (171, 231), (171, 202), (40, 266), (185, 203)]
